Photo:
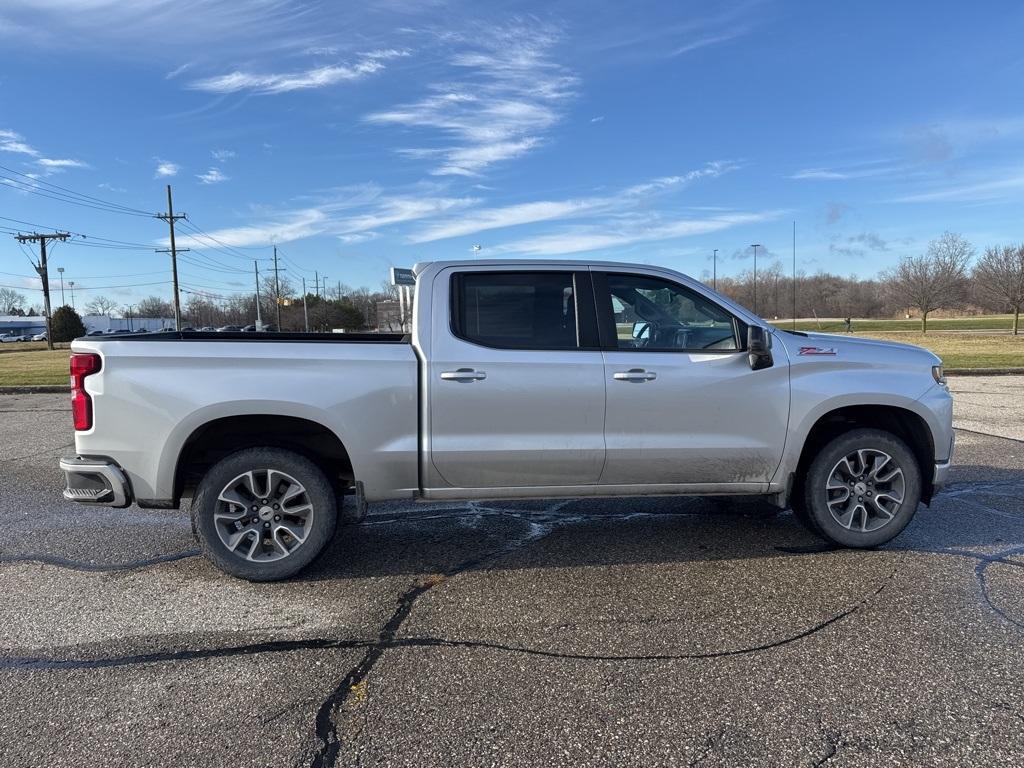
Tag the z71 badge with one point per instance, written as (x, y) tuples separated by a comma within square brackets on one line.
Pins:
[(817, 350)]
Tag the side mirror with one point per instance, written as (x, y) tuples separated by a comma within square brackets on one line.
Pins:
[(759, 348)]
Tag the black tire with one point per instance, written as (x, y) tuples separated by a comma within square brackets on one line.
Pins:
[(816, 494), (275, 470)]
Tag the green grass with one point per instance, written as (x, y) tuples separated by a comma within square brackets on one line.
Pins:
[(32, 368), (966, 350), (833, 325)]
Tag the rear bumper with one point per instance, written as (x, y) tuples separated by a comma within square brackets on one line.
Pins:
[(95, 480)]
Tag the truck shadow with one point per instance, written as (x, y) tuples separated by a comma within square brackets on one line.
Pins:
[(984, 511)]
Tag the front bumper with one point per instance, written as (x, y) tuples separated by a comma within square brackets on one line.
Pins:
[(95, 481), (941, 476)]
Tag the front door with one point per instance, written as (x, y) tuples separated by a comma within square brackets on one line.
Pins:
[(683, 405), (516, 387)]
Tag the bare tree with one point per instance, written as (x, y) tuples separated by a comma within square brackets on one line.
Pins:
[(101, 305), (999, 280), (935, 280), (154, 306), (10, 301)]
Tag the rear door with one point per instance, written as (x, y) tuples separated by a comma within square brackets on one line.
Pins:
[(683, 404), (516, 379)]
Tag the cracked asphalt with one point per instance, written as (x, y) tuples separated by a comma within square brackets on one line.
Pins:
[(587, 632)]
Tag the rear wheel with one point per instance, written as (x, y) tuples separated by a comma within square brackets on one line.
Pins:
[(264, 514), (862, 489)]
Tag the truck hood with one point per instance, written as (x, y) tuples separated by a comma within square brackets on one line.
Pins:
[(854, 348)]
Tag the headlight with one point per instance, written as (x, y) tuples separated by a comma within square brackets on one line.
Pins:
[(938, 375)]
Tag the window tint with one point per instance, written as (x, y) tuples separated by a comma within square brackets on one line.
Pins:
[(520, 310), (655, 314)]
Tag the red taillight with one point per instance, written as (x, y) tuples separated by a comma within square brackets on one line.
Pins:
[(82, 364)]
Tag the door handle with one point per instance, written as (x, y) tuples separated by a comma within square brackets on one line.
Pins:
[(463, 374), (634, 374)]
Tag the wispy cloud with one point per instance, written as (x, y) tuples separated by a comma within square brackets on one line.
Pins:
[(396, 210), (509, 93), (974, 191), (14, 142), (707, 40), (222, 155), (315, 77), (865, 170), (212, 176), (283, 228), (547, 210), (60, 163), (612, 235), (165, 169), (178, 71)]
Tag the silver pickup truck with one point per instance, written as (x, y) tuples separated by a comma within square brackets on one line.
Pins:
[(521, 379)]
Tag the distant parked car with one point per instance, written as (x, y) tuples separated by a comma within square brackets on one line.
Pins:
[(141, 330), (208, 329), (12, 337), (229, 329), (39, 336), (94, 333)]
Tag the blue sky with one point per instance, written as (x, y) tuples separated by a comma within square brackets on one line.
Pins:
[(358, 136)]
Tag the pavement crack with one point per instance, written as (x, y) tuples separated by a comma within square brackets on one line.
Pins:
[(81, 565)]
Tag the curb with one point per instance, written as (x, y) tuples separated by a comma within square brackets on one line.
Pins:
[(35, 389), (984, 371)]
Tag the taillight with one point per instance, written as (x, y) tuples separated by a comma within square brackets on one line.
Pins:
[(82, 364)]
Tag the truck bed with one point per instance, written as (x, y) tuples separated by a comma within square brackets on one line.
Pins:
[(329, 338)]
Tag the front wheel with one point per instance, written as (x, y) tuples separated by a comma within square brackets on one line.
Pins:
[(863, 488), (264, 514)]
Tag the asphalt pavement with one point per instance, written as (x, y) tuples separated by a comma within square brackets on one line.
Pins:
[(552, 633)]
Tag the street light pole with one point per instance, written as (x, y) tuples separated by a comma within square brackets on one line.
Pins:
[(755, 246), (72, 284), (61, 270)]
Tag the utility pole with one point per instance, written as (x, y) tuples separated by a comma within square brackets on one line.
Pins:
[(259, 317), (72, 284), (277, 290), (755, 246), (305, 309), (35, 237), (339, 291), (317, 278), (794, 275), (714, 270), (130, 306), (170, 218), (61, 270)]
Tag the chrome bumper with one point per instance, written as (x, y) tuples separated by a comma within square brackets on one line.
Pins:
[(95, 481)]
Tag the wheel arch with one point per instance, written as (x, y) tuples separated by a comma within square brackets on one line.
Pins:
[(904, 423), (212, 440)]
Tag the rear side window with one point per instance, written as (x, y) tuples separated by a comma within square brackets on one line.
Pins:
[(515, 310)]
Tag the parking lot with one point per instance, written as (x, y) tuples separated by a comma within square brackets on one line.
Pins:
[(628, 632)]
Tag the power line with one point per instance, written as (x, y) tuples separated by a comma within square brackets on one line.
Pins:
[(43, 183)]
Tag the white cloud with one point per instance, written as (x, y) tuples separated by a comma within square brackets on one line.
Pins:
[(283, 228), (993, 189), (178, 71), (316, 77), (13, 142), (605, 236), (704, 42), (598, 119), (165, 169), (212, 176), (222, 155), (547, 210), (865, 170), (509, 93), (60, 163), (395, 210)]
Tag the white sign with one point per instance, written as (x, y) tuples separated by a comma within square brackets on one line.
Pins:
[(400, 276)]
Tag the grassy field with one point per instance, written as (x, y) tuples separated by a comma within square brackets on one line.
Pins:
[(34, 365), (833, 325)]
